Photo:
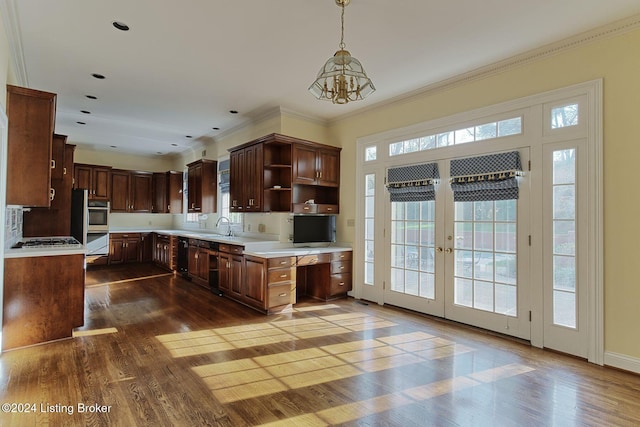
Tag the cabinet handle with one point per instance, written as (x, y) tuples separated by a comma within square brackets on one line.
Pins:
[(283, 294), (53, 163), (329, 209), (283, 276), (306, 208), (52, 193), (64, 171), (341, 267), (283, 262), (168, 208), (341, 284), (193, 205), (320, 175)]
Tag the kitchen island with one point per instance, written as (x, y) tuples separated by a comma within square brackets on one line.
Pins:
[(43, 294), (268, 276)]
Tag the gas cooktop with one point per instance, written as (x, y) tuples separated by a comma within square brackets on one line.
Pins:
[(48, 242)]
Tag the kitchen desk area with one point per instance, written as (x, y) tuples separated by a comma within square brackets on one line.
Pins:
[(43, 291)]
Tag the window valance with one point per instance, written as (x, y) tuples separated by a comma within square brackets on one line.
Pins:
[(223, 171), (491, 177), (414, 183)]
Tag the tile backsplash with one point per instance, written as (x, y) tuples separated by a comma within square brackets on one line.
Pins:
[(13, 225)]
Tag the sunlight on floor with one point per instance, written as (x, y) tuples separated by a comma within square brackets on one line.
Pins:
[(248, 378), (135, 279), (92, 332)]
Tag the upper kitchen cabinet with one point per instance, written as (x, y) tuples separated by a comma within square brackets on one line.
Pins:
[(131, 191), (202, 186), (55, 220), (167, 192), (31, 120), (246, 179), (96, 179), (316, 165)]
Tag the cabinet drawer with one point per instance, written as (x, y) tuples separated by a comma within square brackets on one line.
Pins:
[(339, 284), (340, 256), (314, 259), (124, 235), (327, 209), (304, 208), (231, 249), (281, 275), (281, 262), (281, 295), (338, 267)]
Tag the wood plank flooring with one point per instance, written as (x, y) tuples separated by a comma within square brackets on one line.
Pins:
[(159, 350)]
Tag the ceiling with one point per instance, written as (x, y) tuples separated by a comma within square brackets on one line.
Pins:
[(184, 65)]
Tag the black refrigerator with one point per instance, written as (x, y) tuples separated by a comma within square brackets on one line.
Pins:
[(79, 215)]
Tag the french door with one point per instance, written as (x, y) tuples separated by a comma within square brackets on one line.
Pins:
[(464, 261)]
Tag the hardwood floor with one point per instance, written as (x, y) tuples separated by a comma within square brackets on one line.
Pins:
[(159, 350)]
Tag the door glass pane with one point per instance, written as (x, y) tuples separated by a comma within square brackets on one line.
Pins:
[(369, 226), (412, 248), (564, 236), (486, 268)]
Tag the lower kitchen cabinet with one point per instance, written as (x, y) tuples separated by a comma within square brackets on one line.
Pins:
[(255, 283), (230, 269), (165, 251), (339, 283), (38, 309), (199, 262), (124, 247)]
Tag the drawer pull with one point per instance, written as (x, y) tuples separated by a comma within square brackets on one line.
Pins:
[(342, 267), (284, 294), (341, 284), (283, 276), (283, 262), (306, 208)]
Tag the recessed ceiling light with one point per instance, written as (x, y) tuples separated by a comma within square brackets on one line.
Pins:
[(98, 76), (85, 112), (233, 111), (174, 145), (81, 123), (158, 152), (113, 146), (91, 97), (216, 128), (120, 25), (188, 136)]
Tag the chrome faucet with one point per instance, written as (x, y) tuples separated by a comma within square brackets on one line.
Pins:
[(229, 231)]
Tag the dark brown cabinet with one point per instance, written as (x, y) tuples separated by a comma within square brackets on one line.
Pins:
[(124, 248), (255, 282), (167, 192), (31, 119), (94, 178), (202, 185), (316, 179), (131, 191), (56, 220), (165, 251), (199, 261), (246, 179), (230, 269)]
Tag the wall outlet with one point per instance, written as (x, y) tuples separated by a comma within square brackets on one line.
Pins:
[(351, 223), (262, 228)]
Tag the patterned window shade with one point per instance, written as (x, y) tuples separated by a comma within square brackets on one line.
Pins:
[(492, 177), (223, 170), (413, 183)]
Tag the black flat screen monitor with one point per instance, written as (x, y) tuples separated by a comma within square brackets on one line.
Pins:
[(314, 228)]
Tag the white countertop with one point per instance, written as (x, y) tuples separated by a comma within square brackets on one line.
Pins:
[(252, 246)]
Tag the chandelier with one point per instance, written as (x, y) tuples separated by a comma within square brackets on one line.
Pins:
[(342, 78)]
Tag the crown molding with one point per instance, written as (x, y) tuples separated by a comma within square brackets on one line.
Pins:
[(613, 29), (12, 28)]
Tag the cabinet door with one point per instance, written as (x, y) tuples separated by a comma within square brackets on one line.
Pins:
[(120, 191), (132, 251), (203, 265), (224, 269), (235, 275), (57, 156), (236, 189), (328, 168), (146, 249), (255, 283), (254, 178), (193, 261), (116, 250), (82, 177), (159, 190), (195, 188), (174, 193), (304, 165), (141, 184), (31, 117), (100, 182)]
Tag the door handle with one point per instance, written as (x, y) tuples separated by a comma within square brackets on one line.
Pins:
[(439, 249)]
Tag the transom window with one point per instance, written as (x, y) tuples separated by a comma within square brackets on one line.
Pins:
[(497, 129)]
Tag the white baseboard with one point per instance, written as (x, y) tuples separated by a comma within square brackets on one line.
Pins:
[(622, 361)]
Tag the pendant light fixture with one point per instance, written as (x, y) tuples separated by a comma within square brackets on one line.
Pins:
[(342, 78)]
